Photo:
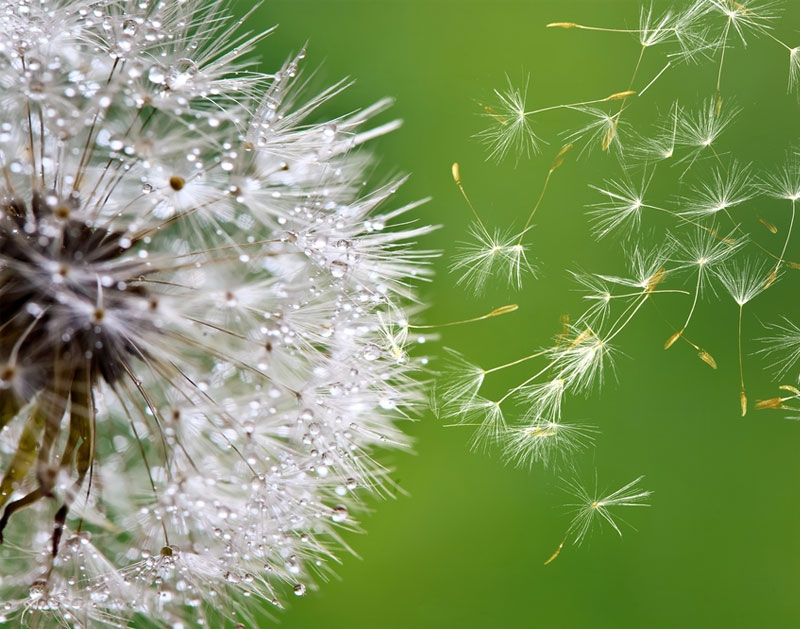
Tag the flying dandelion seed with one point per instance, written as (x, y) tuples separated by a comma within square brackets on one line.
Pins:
[(199, 307), (783, 346), (592, 508)]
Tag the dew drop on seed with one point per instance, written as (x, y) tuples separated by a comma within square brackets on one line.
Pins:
[(339, 513), (372, 352)]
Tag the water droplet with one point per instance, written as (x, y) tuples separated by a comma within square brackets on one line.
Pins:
[(339, 513), (372, 352)]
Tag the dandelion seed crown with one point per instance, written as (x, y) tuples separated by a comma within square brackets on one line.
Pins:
[(198, 349)]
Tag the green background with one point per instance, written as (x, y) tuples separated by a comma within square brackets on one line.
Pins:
[(720, 545)]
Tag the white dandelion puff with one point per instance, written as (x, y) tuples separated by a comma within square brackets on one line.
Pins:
[(202, 340)]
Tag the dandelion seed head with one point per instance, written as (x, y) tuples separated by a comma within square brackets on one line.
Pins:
[(203, 336)]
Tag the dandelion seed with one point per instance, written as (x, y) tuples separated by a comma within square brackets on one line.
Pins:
[(744, 283), (662, 145), (581, 363), (701, 250), (727, 189), (785, 183), (592, 508), (699, 130), (623, 207), (487, 254), (544, 441), (654, 29), (794, 67), (543, 398), (598, 293), (487, 415), (603, 130), (782, 346), (746, 15), (460, 382), (745, 280), (511, 130)]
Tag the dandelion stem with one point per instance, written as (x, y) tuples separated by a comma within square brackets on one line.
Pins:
[(615, 96), (515, 362), (494, 313), (655, 78), (738, 228), (788, 236), (722, 60), (457, 178), (512, 391), (742, 396), (602, 29), (628, 320), (772, 37), (663, 291), (696, 294)]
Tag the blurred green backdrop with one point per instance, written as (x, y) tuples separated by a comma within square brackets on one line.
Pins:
[(465, 548)]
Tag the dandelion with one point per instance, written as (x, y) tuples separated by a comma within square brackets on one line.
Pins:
[(596, 290), (486, 254), (603, 129), (726, 190), (702, 250), (782, 346), (487, 417), (592, 508), (581, 362), (700, 129), (478, 259), (742, 18), (460, 381), (794, 67), (545, 441), (544, 398), (200, 345), (661, 145), (624, 204), (785, 185), (744, 282), (511, 130)]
